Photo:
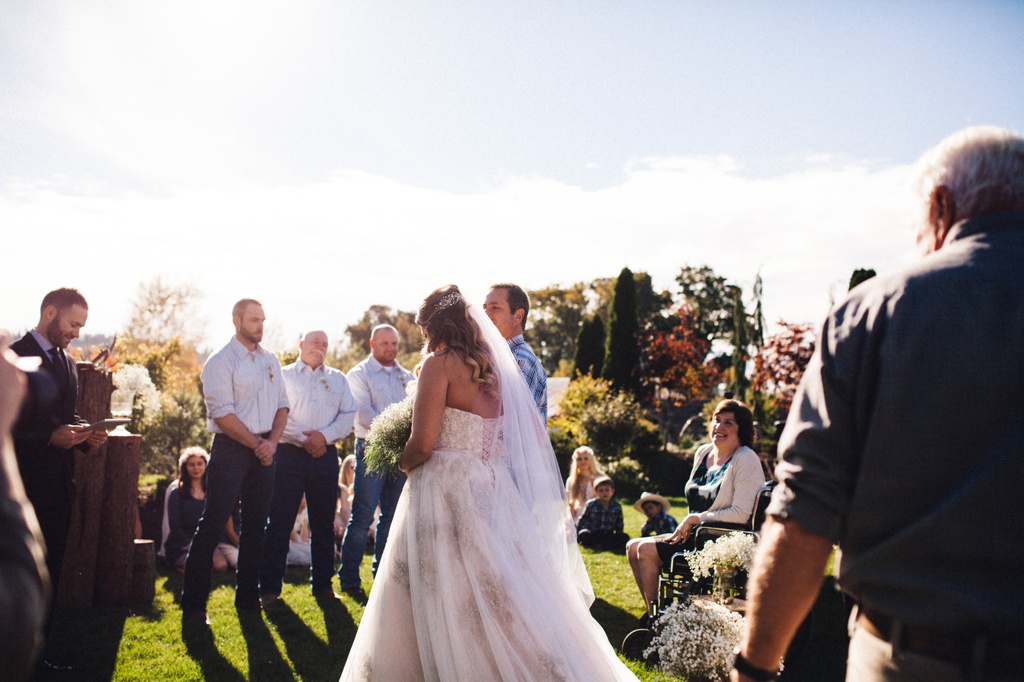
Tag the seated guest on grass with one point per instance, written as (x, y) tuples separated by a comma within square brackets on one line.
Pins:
[(186, 500), (600, 527), (584, 469), (656, 508)]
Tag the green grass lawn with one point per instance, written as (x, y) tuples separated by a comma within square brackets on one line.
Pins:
[(299, 640)]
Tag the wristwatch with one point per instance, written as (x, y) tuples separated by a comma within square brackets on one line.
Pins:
[(745, 667)]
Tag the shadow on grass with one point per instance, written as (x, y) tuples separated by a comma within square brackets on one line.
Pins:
[(313, 658), (265, 660), (87, 640), (201, 647), (617, 623)]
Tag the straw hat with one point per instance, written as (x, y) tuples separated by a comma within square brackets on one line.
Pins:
[(652, 497)]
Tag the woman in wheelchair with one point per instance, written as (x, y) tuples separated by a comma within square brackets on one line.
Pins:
[(721, 489)]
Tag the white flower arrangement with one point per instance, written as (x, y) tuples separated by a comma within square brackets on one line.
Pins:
[(731, 552), (135, 379), (385, 442), (696, 640)]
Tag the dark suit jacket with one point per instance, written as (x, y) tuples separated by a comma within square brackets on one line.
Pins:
[(48, 471)]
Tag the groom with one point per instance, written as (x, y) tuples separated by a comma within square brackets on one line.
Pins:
[(508, 305)]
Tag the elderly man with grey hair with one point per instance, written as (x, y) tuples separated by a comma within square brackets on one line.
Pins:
[(905, 446)]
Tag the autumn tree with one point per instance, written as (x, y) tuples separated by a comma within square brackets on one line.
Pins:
[(556, 315), (711, 298), (589, 357), (410, 341), (675, 367), (779, 364), (622, 350), (162, 335)]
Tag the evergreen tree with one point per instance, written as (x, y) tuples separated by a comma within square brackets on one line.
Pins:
[(589, 357), (861, 275), (622, 354), (740, 343)]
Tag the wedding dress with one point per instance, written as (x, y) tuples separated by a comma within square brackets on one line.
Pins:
[(481, 578)]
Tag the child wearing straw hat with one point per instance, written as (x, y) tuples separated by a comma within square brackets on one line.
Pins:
[(655, 507)]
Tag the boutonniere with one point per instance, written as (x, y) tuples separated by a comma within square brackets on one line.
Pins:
[(271, 369), (323, 380)]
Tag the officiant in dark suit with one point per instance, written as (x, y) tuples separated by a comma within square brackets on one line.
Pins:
[(48, 431)]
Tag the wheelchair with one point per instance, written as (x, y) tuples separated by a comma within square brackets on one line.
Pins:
[(676, 583)]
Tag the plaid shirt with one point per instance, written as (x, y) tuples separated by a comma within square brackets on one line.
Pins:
[(662, 523), (598, 518), (533, 372)]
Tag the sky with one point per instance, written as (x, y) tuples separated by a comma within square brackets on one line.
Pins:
[(324, 157)]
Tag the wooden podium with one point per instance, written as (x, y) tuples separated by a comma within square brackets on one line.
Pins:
[(100, 560)]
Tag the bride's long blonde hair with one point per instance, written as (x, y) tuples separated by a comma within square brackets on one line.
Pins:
[(445, 320)]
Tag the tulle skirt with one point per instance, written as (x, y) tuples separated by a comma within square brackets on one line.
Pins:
[(462, 594)]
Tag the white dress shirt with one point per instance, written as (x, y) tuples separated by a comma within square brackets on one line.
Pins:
[(320, 401), (374, 387), (245, 383)]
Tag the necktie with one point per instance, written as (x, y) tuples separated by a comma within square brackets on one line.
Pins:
[(60, 365)]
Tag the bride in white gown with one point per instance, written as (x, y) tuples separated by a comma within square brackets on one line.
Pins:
[(481, 578)]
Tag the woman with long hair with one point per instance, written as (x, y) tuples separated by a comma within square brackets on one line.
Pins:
[(186, 502), (579, 487), (481, 577)]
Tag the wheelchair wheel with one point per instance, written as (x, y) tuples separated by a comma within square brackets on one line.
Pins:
[(636, 642)]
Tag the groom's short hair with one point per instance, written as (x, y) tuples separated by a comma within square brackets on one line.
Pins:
[(517, 299)]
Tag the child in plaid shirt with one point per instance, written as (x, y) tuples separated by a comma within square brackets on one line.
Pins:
[(600, 527)]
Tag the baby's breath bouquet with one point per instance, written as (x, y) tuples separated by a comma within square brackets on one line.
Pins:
[(696, 640), (386, 440), (732, 552)]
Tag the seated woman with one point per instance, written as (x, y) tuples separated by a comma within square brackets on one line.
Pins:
[(579, 487), (184, 506), (346, 488), (723, 484)]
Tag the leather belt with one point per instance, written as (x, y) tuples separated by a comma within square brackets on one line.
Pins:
[(971, 650)]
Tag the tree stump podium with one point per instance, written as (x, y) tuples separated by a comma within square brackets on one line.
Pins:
[(100, 557)]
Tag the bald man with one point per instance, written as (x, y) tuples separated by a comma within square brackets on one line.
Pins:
[(322, 413)]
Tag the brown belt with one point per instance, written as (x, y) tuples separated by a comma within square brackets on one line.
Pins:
[(971, 650)]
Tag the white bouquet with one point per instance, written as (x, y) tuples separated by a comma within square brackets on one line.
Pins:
[(696, 640), (729, 553), (385, 442)]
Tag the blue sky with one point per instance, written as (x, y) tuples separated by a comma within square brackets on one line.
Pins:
[(326, 156)]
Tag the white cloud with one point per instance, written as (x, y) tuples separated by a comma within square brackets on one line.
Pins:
[(321, 254)]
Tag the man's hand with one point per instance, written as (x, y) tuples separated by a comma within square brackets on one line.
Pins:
[(96, 438), (315, 443), (68, 436), (264, 451)]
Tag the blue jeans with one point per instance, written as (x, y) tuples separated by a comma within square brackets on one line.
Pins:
[(300, 473), (370, 490), (234, 475)]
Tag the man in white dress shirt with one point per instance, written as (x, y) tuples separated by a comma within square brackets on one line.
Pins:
[(322, 413), (376, 382), (246, 409)]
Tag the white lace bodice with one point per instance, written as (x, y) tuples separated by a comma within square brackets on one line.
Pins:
[(461, 430)]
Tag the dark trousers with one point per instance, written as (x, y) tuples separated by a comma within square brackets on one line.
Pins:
[(369, 491), (605, 540), (300, 473), (234, 475)]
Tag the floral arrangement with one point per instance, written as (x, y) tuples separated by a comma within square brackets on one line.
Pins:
[(134, 380), (729, 553), (696, 640), (387, 437)]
